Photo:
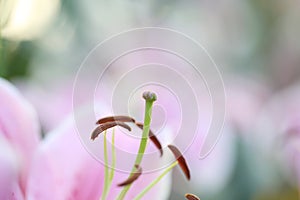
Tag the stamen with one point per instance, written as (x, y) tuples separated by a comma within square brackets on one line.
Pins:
[(181, 161), (155, 181), (113, 152), (115, 118), (103, 127), (106, 170), (191, 197), (133, 177), (152, 137)]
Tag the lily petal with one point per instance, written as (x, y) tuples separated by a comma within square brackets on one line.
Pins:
[(9, 169), (18, 120), (63, 169), (18, 124)]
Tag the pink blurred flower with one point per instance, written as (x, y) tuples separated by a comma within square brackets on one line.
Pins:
[(245, 100), (279, 129)]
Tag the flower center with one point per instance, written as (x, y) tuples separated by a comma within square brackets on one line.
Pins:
[(106, 123)]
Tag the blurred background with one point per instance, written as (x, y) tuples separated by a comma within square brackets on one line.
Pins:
[(255, 44)]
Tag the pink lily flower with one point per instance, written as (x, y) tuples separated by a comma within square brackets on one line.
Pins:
[(59, 166), (72, 173)]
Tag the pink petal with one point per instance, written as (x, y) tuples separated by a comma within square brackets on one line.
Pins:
[(9, 168), (63, 169), (18, 120), (18, 124)]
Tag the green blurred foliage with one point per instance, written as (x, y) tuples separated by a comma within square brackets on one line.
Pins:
[(283, 194), (15, 59)]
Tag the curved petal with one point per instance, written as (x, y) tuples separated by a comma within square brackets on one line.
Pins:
[(9, 187), (63, 169), (18, 120), (18, 124)]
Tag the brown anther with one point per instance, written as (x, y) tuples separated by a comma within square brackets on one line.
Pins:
[(115, 118), (133, 177), (181, 161), (191, 197), (103, 127), (149, 96), (152, 137)]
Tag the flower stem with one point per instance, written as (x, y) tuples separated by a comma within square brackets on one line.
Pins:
[(150, 98), (153, 183), (106, 170)]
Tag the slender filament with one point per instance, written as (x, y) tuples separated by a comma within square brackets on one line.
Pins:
[(113, 164), (106, 170), (154, 182)]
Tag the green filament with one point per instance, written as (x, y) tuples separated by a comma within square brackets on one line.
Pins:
[(113, 165), (106, 170), (153, 183)]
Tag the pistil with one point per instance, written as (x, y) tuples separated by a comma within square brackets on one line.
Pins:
[(149, 98)]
